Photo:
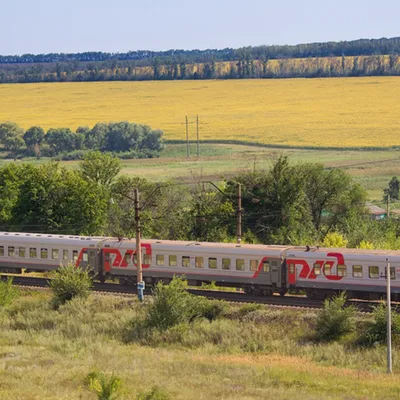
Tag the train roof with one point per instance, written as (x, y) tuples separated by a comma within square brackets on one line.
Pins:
[(51, 239)]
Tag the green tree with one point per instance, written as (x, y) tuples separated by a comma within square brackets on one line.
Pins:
[(99, 168), (60, 139), (393, 189), (9, 129), (14, 144), (34, 136)]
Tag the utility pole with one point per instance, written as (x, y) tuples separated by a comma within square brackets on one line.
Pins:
[(140, 283), (239, 214), (389, 318), (187, 137), (197, 133), (388, 206)]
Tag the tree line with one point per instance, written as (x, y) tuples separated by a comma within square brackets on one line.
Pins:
[(128, 140), (323, 49), (286, 204), (178, 68)]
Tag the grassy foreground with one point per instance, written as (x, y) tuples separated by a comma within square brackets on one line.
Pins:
[(339, 112), (251, 353)]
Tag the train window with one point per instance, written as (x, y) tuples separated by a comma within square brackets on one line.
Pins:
[(11, 251), (317, 269), (32, 252), (127, 258), (199, 262), (373, 272), (146, 259), (160, 259), (226, 263), (212, 263), (1, 250), (392, 273), (266, 266), (239, 264), (342, 270), (357, 271), (74, 255), (253, 265), (21, 251), (173, 261), (65, 254), (327, 270), (54, 254), (44, 253), (85, 256), (185, 261)]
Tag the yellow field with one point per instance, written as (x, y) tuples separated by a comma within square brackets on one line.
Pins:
[(299, 112)]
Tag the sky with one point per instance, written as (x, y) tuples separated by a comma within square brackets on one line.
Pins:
[(45, 26)]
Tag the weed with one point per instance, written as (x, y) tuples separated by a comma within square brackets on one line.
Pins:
[(7, 292), (105, 388), (69, 282), (335, 319), (155, 393)]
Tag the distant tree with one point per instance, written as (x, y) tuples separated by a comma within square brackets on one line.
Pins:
[(34, 136), (393, 189), (14, 144), (60, 139), (10, 129), (95, 137)]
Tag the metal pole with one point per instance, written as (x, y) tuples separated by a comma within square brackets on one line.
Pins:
[(239, 214), (187, 137), (197, 132), (140, 283), (389, 319)]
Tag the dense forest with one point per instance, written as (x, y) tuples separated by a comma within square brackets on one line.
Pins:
[(364, 57)]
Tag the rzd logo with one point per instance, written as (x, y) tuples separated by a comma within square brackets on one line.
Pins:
[(309, 273)]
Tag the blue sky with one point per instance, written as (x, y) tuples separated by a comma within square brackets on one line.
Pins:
[(44, 26)]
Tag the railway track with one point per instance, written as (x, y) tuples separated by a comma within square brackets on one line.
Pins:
[(296, 302)]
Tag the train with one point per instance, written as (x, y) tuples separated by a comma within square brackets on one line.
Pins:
[(257, 269)]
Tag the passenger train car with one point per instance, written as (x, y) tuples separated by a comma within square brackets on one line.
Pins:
[(258, 269)]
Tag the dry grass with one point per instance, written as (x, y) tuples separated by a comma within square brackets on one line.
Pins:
[(46, 353), (317, 112)]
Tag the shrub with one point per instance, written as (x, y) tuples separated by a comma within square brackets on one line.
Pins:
[(376, 331), (69, 282), (335, 319), (105, 388), (210, 310), (7, 292), (172, 305), (155, 393)]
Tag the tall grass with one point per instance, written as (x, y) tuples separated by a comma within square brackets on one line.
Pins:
[(7, 292)]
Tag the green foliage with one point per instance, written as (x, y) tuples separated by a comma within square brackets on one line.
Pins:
[(364, 244), (335, 320), (69, 282), (155, 393), (334, 239), (393, 189), (105, 388), (7, 292), (376, 331), (99, 168)]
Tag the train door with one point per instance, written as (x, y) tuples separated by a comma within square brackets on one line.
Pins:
[(271, 272), (92, 259)]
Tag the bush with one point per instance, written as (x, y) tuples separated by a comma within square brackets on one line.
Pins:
[(105, 388), (69, 282), (335, 320), (376, 331), (210, 310), (155, 393), (172, 305), (7, 292)]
